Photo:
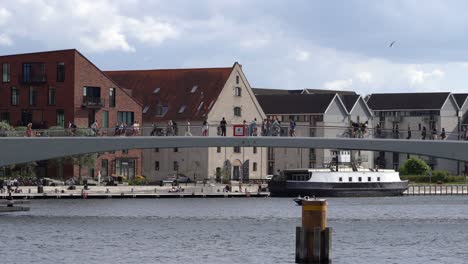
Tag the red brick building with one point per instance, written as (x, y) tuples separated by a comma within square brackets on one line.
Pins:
[(51, 88)]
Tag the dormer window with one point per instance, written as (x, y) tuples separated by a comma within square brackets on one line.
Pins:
[(161, 110), (156, 91), (194, 88), (182, 109), (238, 91), (200, 106), (237, 111)]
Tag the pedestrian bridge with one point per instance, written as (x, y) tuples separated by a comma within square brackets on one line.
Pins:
[(22, 149)]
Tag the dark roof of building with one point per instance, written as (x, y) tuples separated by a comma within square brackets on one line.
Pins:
[(460, 98), (407, 101), (349, 100), (295, 103), (325, 91), (181, 93), (269, 91)]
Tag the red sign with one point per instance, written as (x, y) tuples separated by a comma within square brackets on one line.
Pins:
[(238, 130)]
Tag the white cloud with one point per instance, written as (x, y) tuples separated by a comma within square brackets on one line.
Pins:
[(365, 77), (4, 16), (302, 55), (149, 30), (417, 76), (5, 40), (338, 84), (255, 42), (110, 39)]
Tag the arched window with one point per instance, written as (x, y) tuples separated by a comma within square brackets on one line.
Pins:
[(238, 91), (237, 111)]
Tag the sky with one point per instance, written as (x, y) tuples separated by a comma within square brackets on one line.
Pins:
[(295, 44)]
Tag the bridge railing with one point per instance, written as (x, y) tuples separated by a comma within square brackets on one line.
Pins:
[(247, 131)]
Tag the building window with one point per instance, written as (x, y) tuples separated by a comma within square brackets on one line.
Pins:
[(176, 149), (369, 179), (125, 117), (218, 149), (340, 179), (237, 149), (51, 96), (350, 179), (237, 111), (34, 72), (60, 117), (156, 150), (6, 72), (5, 117), (60, 71), (194, 89), (156, 165), (254, 166), (104, 167), (237, 79), (182, 109), (105, 119), (111, 97), (378, 178), (255, 150), (360, 179), (238, 91), (124, 151), (176, 165), (14, 96), (32, 95)]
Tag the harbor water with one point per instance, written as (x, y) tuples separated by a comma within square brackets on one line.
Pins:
[(409, 229)]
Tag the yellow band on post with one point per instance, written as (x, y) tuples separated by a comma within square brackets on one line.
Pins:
[(314, 208)]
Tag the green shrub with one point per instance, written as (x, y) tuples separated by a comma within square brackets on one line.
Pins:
[(138, 181), (56, 131), (437, 176), (414, 166)]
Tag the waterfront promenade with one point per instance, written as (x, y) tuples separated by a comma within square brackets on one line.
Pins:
[(125, 191)]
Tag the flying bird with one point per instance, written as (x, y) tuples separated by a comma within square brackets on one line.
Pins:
[(391, 44)]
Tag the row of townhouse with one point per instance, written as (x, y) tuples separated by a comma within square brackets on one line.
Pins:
[(53, 88)]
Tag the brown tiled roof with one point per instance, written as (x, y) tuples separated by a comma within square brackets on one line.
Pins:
[(175, 91), (285, 104), (407, 101)]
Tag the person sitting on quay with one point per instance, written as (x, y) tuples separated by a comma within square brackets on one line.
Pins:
[(292, 128), (434, 134)]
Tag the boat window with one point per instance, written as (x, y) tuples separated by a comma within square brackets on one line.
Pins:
[(297, 175), (360, 178), (378, 178), (341, 179), (350, 179), (368, 178)]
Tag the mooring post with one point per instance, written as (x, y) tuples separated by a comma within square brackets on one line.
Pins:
[(313, 239)]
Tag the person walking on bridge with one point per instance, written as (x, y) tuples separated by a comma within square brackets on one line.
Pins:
[(409, 133), (423, 133), (187, 129), (222, 125)]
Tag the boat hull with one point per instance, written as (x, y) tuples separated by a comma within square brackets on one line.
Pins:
[(351, 189)]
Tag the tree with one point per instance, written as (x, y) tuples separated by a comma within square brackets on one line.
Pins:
[(414, 166), (83, 160)]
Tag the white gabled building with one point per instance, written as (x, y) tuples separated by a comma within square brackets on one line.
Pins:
[(316, 113), (396, 113), (196, 95)]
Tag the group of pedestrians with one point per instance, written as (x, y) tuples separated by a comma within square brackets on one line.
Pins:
[(11, 186), (359, 129)]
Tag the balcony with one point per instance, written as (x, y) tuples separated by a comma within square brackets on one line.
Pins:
[(92, 102), (33, 73)]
